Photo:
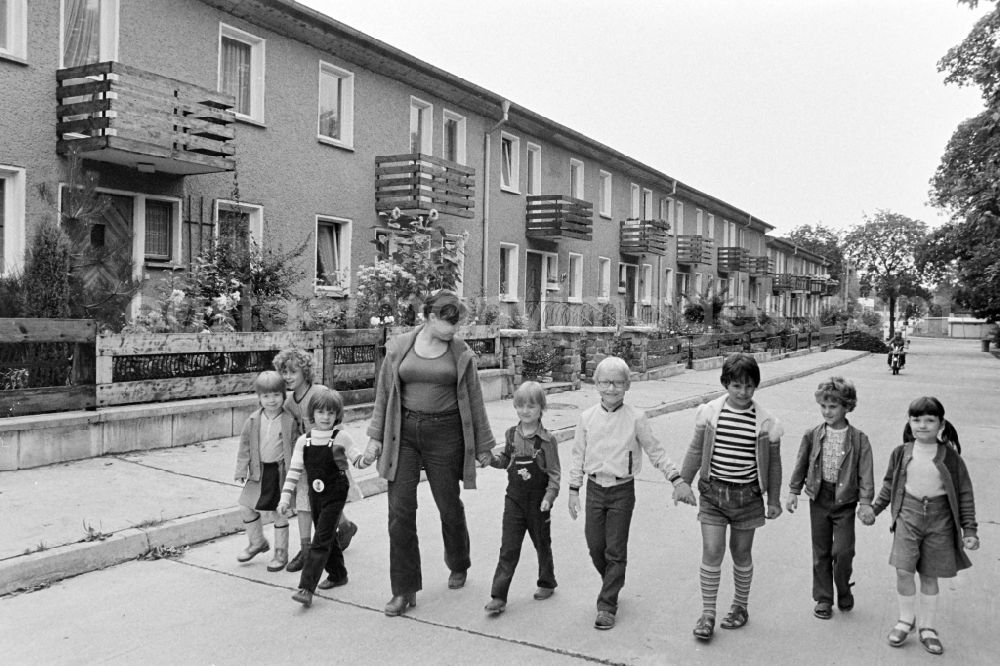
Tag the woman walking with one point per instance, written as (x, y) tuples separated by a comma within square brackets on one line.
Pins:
[(429, 414)]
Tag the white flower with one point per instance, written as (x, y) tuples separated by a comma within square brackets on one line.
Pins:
[(395, 213), (176, 297), (390, 320), (235, 296), (374, 321), (432, 216)]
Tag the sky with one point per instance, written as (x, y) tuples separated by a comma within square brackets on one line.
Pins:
[(796, 111)]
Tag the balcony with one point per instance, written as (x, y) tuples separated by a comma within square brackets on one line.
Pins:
[(639, 237), (110, 112), (832, 287), (554, 216), (761, 266), (733, 260), (817, 285), (800, 283), (694, 250), (783, 282), (415, 183)]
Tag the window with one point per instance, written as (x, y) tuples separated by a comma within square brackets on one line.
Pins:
[(12, 231), (336, 106), (89, 31), (453, 137), (680, 216), (551, 271), (647, 284), (333, 256), (241, 71), (534, 167), (603, 278), (575, 178), (635, 203), (723, 288), (668, 285), (13, 29), (574, 291), (159, 231), (699, 225), (508, 272), (510, 162), (421, 129), (670, 216), (237, 223), (604, 195), (711, 226), (647, 204), (698, 284)]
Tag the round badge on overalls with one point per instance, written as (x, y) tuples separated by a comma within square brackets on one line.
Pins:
[(318, 485)]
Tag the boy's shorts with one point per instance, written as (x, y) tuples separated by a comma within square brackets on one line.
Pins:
[(738, 504), (924, 537)]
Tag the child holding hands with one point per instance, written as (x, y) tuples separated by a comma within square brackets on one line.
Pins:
[(607, 454), (262, 459), (835, 464), (531, 458), (928, 492), (321, 457)]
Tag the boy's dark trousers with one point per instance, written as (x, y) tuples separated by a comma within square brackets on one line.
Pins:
[(326, 505), (609, 515), (526, 484), (832, 544)]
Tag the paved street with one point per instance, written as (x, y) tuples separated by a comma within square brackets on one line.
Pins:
[(204, 607)]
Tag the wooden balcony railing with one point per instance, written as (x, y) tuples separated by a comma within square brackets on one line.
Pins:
[(733, 259), (694, 250), (801, 283), (817, 285), (761, 266), (832, 287), (416, 183), (783, 282), (555, 216), (643, 236), (111, 112)]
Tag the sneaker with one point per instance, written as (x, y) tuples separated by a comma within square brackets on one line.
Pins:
[(496, 606), (330, 582), (605, 620), (543, 593)]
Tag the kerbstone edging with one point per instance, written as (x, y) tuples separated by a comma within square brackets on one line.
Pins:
[(28, 571)]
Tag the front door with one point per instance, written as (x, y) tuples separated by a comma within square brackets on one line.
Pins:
[(533, 291), (106, 243)]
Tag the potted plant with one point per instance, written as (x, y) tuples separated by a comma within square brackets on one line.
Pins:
[(536, 359)]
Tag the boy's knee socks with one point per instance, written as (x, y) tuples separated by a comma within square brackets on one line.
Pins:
[(907, 607), (709, 577), (928, 610), (742, 577)]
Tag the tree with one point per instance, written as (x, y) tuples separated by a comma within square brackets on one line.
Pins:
[(964, 253), (823, 241), (884, 249)]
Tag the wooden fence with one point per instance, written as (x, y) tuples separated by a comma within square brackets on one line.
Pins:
[(46, 365)]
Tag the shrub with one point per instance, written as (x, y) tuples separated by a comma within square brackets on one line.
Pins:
[(45, 284), (871, 319), (858, 341), (536, 359)]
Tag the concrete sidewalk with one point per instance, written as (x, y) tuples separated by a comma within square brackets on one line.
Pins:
[(70, 518)]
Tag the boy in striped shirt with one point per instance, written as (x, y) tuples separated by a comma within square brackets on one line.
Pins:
[(736, 451)]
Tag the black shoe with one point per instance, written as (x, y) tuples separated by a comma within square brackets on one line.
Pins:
[(399, 603), (736, 618), (304, 597), (845, 602), (456, 580), (329, 582), (823, 610), (345, 535), (705, 627), (298, 561)]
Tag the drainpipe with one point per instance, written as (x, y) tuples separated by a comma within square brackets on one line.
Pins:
[(505, 107)]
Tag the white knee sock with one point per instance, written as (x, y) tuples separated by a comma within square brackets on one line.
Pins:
[(928, 610), (907, 607)]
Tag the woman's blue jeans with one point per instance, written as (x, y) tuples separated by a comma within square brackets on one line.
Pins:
[(434, 443)]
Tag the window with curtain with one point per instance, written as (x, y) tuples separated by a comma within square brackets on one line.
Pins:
[(159, 230), (576, 178), (236, 73), (330, 99), (451, 139), (81, 32), (328, 254), (509, 162)]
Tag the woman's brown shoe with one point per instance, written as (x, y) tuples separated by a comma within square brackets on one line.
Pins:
[(399, 603)]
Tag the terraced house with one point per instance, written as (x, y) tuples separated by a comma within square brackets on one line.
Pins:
[(272, 117)]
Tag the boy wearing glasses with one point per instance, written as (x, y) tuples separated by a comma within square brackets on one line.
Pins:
[(606, 456)]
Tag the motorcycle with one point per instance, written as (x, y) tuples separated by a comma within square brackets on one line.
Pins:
[(896, 360)]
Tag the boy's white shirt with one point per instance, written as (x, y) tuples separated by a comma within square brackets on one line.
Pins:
[(344, 439), (708, 414), (597, 445)]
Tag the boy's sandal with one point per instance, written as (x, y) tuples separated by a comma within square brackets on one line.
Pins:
[(899, 633), (736, 618), (705, 627), (929, 639)]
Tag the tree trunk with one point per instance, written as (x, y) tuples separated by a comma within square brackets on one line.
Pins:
[(892, 317)]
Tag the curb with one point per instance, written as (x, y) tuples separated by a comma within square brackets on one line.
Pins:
[(28, 572)]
